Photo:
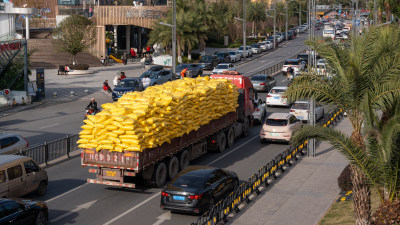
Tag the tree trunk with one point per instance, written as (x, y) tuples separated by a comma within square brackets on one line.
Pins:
[(202, 46), (190, 53), (387, 11), (178, 44), (361, 189)]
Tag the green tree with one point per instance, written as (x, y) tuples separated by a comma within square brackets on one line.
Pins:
[(256, 14), (75, 34), (280, 14), (366, 82)]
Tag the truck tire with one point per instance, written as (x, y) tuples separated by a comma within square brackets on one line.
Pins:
[(173, 167), (159, 175), (222, 142), (184, 159), (246, 128), (231, 138)]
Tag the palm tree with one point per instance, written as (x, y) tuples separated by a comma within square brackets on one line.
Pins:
[(280, 14), (366, 81), (256, 14)]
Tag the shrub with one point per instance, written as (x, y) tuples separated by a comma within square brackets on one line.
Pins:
[(344, 180), (387, 213), (185, 59), (79, 67)]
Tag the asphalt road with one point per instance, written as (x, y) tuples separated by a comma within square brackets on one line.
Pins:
[(72, 201)]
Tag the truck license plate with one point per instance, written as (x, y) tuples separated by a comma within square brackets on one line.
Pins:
[(111, 173), (178, 197)]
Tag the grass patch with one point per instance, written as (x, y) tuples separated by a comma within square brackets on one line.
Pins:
[(342, 213)]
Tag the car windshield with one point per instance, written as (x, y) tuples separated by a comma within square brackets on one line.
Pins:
[(182, 66), (206, 59), (189, 181), (321, 66), (127, 83), (261, 43), (232, 53), (241, 48), (329, 32), (300, 106), (221, 67), (254, 46), (258, 78), (152, 74), (276, 122), (291, 63), (278, 91)]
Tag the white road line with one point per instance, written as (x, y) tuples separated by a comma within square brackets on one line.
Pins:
[(65, 193), (235, 149), (131, 209), (52, 125)]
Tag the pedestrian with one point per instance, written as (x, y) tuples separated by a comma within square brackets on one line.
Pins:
[(102, 60), (107, 87), (14, 102), (23, 101), (148, 50), (133, 53), (146, 81), (123, 75), (183, 73), (90, 12), (116, 80), (123, 58), (66, 69)]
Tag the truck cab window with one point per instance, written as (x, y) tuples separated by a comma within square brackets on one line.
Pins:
[(30, 167)]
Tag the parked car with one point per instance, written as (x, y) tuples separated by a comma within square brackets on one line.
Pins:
[(158, 75), (269, 44), (23, 212), (300, 109), (255, 48), (126, 85), (276, 97), (249, 52), (279, 127), (263, 82), (208, 62), (263, 45), (193, 70), (12, 143), (235, 56), (224, 67), (223, 57), (197, 188), (20, 175)]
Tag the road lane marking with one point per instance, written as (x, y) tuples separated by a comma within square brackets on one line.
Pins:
[(235, 149), (65, 193), (163, 217), (77, 209), (131, 209), (52, 125)]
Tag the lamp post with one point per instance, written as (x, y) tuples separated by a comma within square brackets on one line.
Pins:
[(274, 23), (173, 46), (244, 29)]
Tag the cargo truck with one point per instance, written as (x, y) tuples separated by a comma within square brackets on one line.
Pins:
[(156, 165)]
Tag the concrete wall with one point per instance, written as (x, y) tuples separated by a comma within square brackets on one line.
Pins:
[(163, 60), (17, 95)]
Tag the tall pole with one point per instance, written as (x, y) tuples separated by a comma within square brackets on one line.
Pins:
[(174, 37), (299, 13), (375, 12), (244, 30), (274, 25), (287, 19)]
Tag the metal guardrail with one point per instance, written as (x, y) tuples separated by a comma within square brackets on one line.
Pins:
[(52, 150), (221, 210)]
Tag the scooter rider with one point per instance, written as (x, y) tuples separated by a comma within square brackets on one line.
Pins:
[(290, 73), (93, 105)]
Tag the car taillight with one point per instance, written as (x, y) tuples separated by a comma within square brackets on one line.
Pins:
[(284, 97), (195, 196), (27, 142), (292, 110), (257, 109), (262, 84), (269, 96), (164, 194)]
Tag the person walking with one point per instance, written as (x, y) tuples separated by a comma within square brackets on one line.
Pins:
[(107, 87), (102, 60), (133, 53), (123, 75), (90, 12), (123, 58)]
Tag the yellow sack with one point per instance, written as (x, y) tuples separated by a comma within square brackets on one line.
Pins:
[(86, 136), (85, 132), (87, 127), (111, 127), (119, 132), (89, 122), (82, 141)]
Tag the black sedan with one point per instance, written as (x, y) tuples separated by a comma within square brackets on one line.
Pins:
[(126, 85), (23, 212), (208, 62), (193, 70), (197, 188)]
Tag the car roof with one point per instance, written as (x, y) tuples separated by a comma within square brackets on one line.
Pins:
[(4, 159), (292, 60), (279, 116), (156, 68), (198, 170), (132, 78), (225, 64), (259, 75), (280, 87), (301, 101), (3, 135)]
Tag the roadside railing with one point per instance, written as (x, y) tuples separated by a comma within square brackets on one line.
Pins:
[(273, 69), (263, 177), (52, 150)]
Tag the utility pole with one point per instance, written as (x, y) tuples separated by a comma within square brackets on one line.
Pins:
[(299, 13), (375, 12), (287, 19), (274, 25), (244, 30), (312, 58), (174, 37)]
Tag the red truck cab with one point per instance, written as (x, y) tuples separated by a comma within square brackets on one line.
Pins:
[(246, 93)]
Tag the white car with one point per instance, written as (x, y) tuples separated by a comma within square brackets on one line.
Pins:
[(220, 68), (260, 112), (255, 48), (269, 44), (235, 56), (296, 64), (263, 46), (276, 97), (249, 52), (300, 110), (321, 68), (279, 127), (12, 143)]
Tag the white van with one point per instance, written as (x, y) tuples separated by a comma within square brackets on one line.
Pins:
[(329, 32), (20, 175)]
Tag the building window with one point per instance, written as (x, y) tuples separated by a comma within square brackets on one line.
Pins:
[(68, 2)]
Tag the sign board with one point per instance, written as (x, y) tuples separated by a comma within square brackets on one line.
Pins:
[(144, 13), (322, 7), (40, 82)]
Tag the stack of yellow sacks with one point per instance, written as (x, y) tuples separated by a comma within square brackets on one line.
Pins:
[(147, 119)]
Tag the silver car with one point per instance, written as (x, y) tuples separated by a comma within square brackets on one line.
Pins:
[(12, 143)]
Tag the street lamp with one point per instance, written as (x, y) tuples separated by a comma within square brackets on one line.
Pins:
[(244, 29), (173, 45), (274, 16)]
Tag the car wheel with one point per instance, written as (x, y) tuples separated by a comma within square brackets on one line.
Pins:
[(41, 218), (235, 184), (41, 190)]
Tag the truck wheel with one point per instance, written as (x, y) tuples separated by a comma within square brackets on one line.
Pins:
[(159, 175), (222, 142), (173, 167), (184, 159), (231, 138), (246, 128)]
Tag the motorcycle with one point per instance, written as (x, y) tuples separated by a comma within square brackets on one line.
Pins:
[(289, 73), (90, 111)]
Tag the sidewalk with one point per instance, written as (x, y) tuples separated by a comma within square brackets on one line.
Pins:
[(304, 194)]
